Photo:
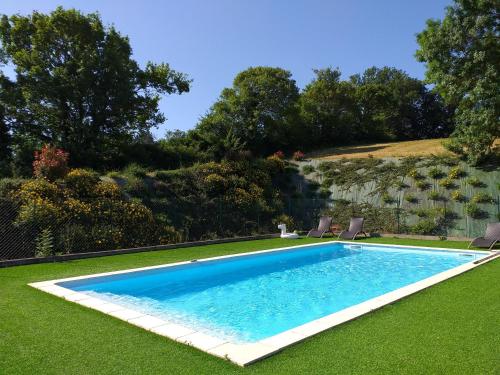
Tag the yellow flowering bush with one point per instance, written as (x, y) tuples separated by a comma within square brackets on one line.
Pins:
[(81, 182)]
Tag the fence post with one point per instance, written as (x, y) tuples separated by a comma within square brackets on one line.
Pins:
[(397, 218)]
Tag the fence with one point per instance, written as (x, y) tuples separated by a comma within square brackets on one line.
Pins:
[(37, 231), (25, 234), (440, 217)]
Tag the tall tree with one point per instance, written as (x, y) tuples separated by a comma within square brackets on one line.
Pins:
[(393, 105), (80, 87), (260, 112), (328, 109), (462, 54)]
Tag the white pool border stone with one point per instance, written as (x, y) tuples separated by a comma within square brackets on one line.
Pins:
[(245, 354)]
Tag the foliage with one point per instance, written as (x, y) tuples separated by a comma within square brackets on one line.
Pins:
[(421, 212), (456, 172), (436, 173), (474, 211), (388, 199), (216, 199), (427, 226), (279, 155), (298, 155), (458, 196), (393, 105), (410, 198), (416, 175), (377, 219), (434, 196), (50, 163), (448, 183), (285, 219), (482, 198), (461, 53), (476, 182), (45, 243), (9, 185), (260, 108), (88, 214), (308, 169), (422, 185), (77, 84)]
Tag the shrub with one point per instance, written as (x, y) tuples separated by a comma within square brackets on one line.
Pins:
[(298, 156), (279, 154), (44, 244), (401, 186), (10, 185), (436, 174), (135, 170), (422, 185), (458, 196), (476, 182), (482, 198), (456, 172), (427, 226), (276, 163), (308, 169), (421, 212), (324, 193), (473, 210), (434, 196), (416, 175), (81, 182), (410, 198), (448, 184), (50, 163), (388, 199), (327, 183)]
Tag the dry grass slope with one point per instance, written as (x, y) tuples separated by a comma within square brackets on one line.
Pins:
[(383, 150), (423, 147)]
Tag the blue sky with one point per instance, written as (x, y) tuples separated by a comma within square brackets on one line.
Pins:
[(214, 40)]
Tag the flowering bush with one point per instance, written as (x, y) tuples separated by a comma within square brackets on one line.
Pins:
[(298, 155), (456, 173), (458, 196), (279, 154), (50, 163), (448, 183)]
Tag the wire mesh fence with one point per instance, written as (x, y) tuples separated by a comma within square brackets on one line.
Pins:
[(45, 230), (34, 231)]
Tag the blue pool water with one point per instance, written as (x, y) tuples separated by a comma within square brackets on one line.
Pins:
[(249, 298)]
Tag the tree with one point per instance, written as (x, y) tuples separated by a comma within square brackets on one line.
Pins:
[(462, 54), (393, 105), (50, 163), (259, 111), (79, 86), (328, 109)]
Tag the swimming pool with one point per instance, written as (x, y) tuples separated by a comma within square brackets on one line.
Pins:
[(265, 299)]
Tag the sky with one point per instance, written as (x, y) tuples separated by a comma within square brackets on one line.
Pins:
[(212, 41)]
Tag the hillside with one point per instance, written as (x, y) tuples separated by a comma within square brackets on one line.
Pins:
[(423, 147)]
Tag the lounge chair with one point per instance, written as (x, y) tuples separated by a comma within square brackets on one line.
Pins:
[(490, 238), (323, 227), (355, 228)]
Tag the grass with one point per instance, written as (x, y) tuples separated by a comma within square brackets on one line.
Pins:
[(451, 328), (383, 150)]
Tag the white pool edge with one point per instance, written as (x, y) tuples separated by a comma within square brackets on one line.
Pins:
[(245, 354)]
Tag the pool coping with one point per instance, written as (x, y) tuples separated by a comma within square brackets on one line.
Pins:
[(245, 354)]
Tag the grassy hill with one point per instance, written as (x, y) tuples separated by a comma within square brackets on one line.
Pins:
[(423, 147), (383, 150)]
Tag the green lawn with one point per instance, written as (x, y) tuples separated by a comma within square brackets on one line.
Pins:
[(451, 328)]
